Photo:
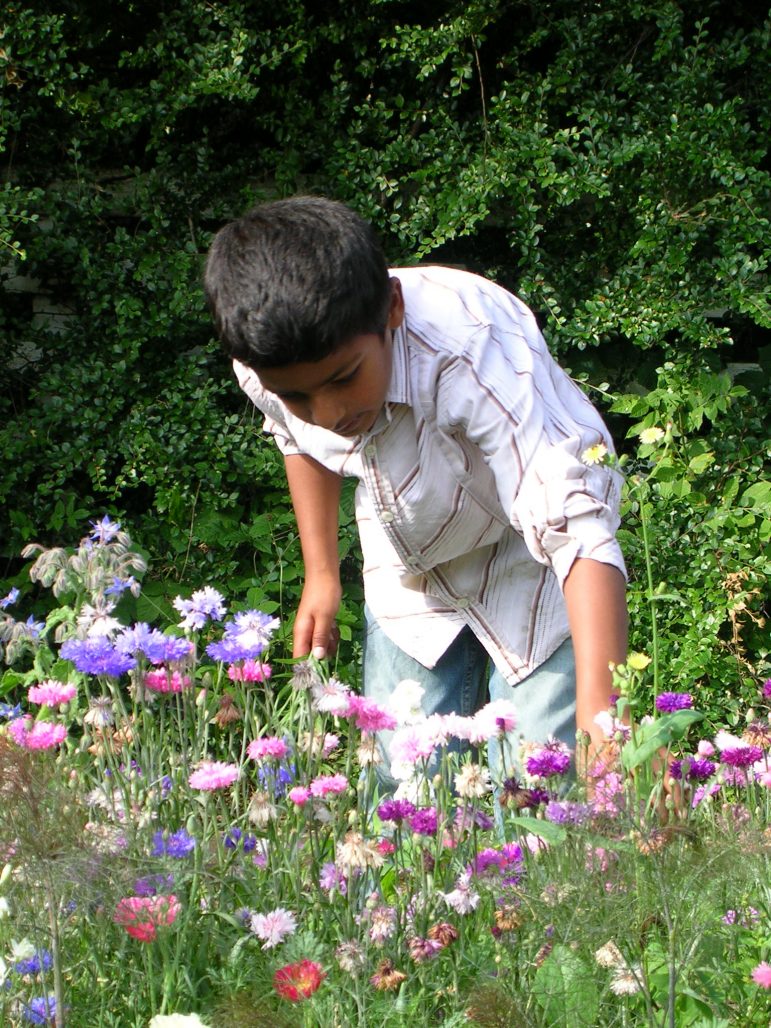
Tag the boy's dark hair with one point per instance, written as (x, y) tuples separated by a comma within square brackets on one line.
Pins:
[(293, 280)]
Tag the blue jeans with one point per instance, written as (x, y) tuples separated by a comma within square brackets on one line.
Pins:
[(464, 679)]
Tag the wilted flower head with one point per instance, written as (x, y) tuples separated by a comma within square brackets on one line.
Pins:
[(356, 852), (100, 712), (387, 978), (472, 781)]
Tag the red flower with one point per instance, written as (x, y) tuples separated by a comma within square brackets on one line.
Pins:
[(141, 916), (298, 981)]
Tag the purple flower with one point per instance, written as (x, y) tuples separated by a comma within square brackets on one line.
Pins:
[(424, 821), (120, 585), (11, 598), (235, 836), (766, 688), (567, 812), (40, 1010), (40, 961), (104, 531), (245, 637), (547, 763), (467, 816), (669, 702), (696, 769), (177, 844), (741, 756), (330, 877), (97, 656), (154, 885), (395, 810), (503, 859), (33, 628), (203, 604), (8, 712)]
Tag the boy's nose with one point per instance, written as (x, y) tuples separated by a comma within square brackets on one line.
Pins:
[(327, 412)]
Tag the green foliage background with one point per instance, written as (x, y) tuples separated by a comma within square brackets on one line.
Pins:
[(607, 161)]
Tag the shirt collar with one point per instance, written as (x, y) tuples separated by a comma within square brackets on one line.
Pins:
[(399, 387)]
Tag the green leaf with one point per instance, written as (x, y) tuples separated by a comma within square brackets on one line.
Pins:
[(565, 988), (655, 735), (546, 830)]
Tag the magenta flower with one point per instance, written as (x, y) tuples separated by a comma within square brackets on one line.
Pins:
[(213, 774), (367, 715), (164, 681), (669, 702), (36, 735), (424, 821), (761, 975), (552, 759), (249, 671), (299, 795), (325, 785), (51, 693), (269, 747), (741, 756)]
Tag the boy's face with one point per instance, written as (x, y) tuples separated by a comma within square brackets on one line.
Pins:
[(345, 391)]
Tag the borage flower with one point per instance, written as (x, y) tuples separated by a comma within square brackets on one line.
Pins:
[(298, 981), (213, 774), (51, 693), (36, 735), (141, 916)]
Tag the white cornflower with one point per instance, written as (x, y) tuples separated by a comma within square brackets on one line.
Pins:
[(405, 702), (472, 781)]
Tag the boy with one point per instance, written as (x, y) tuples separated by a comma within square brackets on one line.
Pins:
[(484, 533)]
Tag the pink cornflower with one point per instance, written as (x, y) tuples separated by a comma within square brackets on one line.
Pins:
[(141, 916), (249, 671), (367, 715), (36, 735), (269, 747), (493, 720), (761, 975), (51, 693), (274, 927), (297, 982), (162, 680), (326, 784), (299, 795), (213, 774)]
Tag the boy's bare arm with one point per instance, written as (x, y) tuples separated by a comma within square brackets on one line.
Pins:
[(596, 603), (315, 493)]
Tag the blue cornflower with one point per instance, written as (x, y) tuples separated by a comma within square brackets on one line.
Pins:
[(567, 812), (232, 649), (203, 604), (97, 656), (104, 531), (41, 1010), (40, 961), (154, 885), (165, 649), (8, 712), (245, 637), (11, 598), (235, 836), (276, 779), (176, 844), (135, 639)]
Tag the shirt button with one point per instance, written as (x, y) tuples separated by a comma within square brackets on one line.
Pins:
[(386, 517), (462, 602), (370, 450)]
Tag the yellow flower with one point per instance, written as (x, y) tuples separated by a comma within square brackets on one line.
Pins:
[(594, 454), (638, 661), (651, 435)]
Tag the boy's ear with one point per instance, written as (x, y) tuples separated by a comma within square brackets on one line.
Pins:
[(396, 309)]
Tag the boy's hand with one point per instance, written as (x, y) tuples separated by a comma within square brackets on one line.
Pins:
[(315, 631)]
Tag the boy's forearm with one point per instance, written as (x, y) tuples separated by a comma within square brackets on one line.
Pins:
[(315, 493), (596, 604)]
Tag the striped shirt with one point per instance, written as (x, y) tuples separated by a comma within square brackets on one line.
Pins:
[(473, 500)]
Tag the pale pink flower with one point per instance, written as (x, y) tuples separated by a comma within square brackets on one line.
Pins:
[(162, 680), (299, 795), (269, 747), (51, 693), (493, 720), (612, 727), (463, 899), (761, 975), (331, 697), (249, 671), (274, 927), (367, 715), (705, 748), (326, 784), (213, 774), (331, 742), (36, 735)]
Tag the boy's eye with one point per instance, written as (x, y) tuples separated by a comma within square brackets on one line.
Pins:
[(347, 378)]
